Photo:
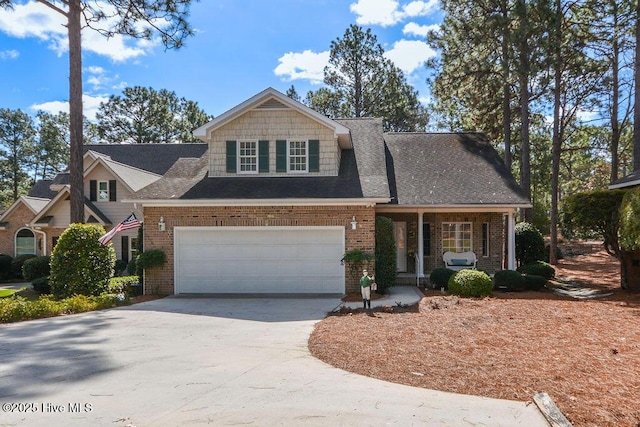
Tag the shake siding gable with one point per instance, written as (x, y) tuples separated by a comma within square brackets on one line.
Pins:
[(273, 125)]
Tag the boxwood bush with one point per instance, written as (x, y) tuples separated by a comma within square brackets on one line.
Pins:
[(41, 285), (385, 253), (5, 266), (35, 268), (529, 244), (127, 285), (533, 282), (17, 263), (439, 277), (508, 280), (538, 268), (80, 264), (470, 283)]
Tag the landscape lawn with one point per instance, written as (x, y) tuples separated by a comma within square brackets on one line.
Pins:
[(7, 292), (584, 353)]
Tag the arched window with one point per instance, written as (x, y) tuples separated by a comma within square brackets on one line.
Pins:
[(25, 242)]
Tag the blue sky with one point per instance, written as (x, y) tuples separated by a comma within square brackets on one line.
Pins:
[(240, 48)]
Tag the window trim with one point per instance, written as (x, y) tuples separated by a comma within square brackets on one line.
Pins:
[(15, 242), (98, 198), (239, 157), (306, 156), (132, 246), (457, 238)]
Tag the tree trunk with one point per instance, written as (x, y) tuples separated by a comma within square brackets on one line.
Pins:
[(506, 86), (636, 107), (615, 82), (75, 112), (556, 144), (525, 150)]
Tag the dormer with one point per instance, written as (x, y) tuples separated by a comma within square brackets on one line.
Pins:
[(271, 134)]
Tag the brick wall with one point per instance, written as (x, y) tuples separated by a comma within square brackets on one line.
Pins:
[(20, 216), (160, 280)]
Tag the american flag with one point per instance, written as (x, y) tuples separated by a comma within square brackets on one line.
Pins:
[(130, 222)]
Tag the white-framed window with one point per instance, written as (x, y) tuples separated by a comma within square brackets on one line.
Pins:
[(103, 191), (133, 247), (297, 156), (25, 242), (457, 236), (248, 156)]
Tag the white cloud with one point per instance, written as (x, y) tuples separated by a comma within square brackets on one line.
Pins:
[(9, 54), (413, 29), (306, 65), (408, 55), (34, 19), (390, 12), (90, 106)]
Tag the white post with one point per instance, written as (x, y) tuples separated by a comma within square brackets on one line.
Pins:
[(420, 255), (511, 246)]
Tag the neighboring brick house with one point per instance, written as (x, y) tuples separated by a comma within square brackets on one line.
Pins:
[(279, 193)]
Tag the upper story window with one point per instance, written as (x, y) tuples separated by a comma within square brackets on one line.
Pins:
[(103, 191), (456, 237), (248, 156), (297, 156)]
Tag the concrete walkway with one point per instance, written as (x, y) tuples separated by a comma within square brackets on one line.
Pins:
[(397, 296), (183, 361)]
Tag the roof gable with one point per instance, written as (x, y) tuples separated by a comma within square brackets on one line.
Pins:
[(34, 204), (134, 179), (271, 99)]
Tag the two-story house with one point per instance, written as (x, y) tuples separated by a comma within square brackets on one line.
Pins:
[(278, 193)]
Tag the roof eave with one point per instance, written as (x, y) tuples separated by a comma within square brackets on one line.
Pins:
[(369, 202)]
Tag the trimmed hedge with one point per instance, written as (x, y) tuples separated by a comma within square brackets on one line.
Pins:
[(509, 281), (35, 268), (17, 263), (18, 308), (439, 277), (385, 253), (533, 282), (5, 266), (539, 268), (41, 285), (529, 244), (471, 283)]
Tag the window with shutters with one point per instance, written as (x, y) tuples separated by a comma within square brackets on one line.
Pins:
[(248, 156), (103, 191), (298, 156)]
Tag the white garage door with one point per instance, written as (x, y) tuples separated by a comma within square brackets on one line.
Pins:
[(259, 260)]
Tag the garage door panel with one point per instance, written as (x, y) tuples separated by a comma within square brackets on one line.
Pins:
[(267, 260)]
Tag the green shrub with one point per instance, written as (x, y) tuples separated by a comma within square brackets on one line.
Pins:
[(80, 264), (151, 258), (41, 285), (470, 283), (508, 280), (18, 308), (120, 267), (35, 268), (126, 285), (529, 244), (539, 268), (5, 266), (386, 264), (439, 277), (629, 231), (533, 282), (17, 263), (132, 268)]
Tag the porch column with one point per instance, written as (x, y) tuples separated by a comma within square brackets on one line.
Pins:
[(420, 270), (511, 236)]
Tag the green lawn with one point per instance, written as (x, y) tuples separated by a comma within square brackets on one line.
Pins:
[(7, 292)]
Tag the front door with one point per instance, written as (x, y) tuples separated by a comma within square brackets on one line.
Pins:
[(400, 230)]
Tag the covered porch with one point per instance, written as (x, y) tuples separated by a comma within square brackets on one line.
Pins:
[(424, 234)]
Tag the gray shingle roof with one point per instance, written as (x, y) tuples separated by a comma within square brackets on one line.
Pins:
[(41, 189), (448, 169), (630, 180), (156, 158)]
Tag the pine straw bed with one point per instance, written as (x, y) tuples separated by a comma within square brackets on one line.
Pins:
[(584, 353)]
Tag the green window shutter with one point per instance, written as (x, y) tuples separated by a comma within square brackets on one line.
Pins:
[(231, 157), (112, 190), (263, 156), (93, 190), (281, 156), (124, 249), (314, 155)]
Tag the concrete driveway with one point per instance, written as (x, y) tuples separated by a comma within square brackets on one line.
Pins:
[(180, 361)]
